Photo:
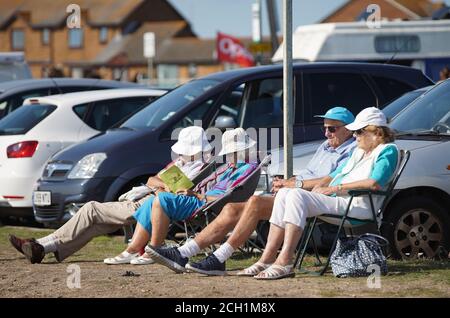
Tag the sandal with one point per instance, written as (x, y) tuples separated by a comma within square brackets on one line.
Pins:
[(122, 258), (253, 270), (276, 272), (144, 259)]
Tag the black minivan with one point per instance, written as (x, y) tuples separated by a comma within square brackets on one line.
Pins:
[(106, 166)]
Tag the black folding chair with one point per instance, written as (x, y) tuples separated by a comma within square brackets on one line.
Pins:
[(346, 222), (239, 193)]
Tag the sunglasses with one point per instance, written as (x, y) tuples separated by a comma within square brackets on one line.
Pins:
[(331, 129), (359, 131)]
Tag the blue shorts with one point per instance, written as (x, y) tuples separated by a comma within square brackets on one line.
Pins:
[(176, 207)]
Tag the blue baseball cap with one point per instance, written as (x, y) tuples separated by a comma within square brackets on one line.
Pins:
[(339, 113)]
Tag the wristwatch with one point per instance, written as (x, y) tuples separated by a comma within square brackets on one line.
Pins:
[(299, 183)]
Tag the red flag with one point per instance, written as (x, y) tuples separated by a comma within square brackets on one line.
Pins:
[(230, 49)]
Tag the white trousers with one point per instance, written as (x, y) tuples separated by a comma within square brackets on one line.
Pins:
[(296, 205)]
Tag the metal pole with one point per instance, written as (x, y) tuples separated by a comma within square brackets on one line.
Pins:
[(150, 70), (287, 89), (273, 24)]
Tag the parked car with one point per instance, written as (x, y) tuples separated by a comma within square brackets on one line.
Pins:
[(251, 98), (30, 135), (13, 66), (13, 93), (417, 217), (394, 107)]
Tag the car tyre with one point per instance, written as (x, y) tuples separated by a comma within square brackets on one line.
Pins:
[(417, 227)]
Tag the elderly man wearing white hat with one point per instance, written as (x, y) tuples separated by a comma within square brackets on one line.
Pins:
[(167, 206), (95, 218), (371, 166)]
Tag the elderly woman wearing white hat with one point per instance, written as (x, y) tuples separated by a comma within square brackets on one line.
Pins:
[(166, 206), (371, 166), (193, 151)]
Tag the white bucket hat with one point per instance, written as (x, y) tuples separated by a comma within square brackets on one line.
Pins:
[(191, 141), (368, 116), (235, 140)]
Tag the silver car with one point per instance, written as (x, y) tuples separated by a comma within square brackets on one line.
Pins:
[(417, 218)]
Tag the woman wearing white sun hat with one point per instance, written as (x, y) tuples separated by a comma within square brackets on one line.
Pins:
[(371, 166)]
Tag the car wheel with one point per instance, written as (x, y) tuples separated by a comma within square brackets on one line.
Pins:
[(418, 227)]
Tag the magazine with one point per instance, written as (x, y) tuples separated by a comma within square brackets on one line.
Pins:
[(175, 179)]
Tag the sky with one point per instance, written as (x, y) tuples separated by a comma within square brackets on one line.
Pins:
[(233, 17)]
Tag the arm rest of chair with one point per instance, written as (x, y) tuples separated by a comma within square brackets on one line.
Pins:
[(357, 193)]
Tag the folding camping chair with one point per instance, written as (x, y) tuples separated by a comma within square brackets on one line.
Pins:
[(346, 222), (239, 193), (205, 172)]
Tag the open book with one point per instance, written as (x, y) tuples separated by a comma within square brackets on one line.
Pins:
[(175, 179)]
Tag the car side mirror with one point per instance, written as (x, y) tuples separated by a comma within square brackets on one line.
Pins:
[(224, 122)]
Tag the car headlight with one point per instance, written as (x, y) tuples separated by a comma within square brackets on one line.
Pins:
[(88, 166)]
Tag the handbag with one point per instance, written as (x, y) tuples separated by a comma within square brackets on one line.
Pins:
[(353, 256)]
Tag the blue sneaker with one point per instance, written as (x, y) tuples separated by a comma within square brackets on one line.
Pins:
[(169, 256), (208, 266)]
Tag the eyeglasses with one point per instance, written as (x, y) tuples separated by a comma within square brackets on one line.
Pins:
[(359, 131), (331, 129)]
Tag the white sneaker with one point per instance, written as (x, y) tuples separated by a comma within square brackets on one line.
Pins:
[(122, 258), (141, 260)]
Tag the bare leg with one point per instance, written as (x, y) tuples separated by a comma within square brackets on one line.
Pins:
[(222, 224), (291, 238), (139, 239), (274, 240), (160, 224), (256, 209)]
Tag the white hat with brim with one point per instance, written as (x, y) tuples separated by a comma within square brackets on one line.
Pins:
[(368, 116), (191, 141), (235, 140)]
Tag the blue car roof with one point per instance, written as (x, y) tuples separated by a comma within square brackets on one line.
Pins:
[(27, 84), (231, 74)]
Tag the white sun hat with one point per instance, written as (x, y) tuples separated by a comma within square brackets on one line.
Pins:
[(235, 140), (368, 116), (191, 141)]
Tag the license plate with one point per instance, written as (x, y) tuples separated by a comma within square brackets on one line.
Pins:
[(42, 198)]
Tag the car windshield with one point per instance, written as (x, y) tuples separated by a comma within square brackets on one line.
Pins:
[(13, 71), (168, 105), (429, 113), (23, 119), (400, 103)]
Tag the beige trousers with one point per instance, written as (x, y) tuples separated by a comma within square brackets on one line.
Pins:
[(93, 219)]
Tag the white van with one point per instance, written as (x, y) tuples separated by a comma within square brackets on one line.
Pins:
[(421, 44)]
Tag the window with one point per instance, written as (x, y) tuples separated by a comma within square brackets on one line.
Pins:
[(168, 75), (397, 44), (25, 118), (105, 114), (103, 35), (264, 106), (327, 90), (170, 104), (81, 110), (16, 101), (391, 88), (194, 117), (18, 39), (75, 38), (230, 107), (45, 36)]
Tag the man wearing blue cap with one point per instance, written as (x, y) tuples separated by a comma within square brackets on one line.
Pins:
[(242, 218)]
